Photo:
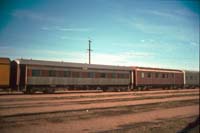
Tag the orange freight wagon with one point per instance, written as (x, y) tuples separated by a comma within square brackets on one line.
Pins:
[(4, 72)]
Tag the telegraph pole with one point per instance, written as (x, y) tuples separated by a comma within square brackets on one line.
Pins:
[(89, 50)]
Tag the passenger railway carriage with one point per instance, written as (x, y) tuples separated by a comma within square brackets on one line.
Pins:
[(46, 76), (191, 79), (146, 78)]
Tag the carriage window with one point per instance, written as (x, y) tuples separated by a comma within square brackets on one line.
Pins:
[(102, 75), (52, 73), (91, 74), (163, 75), (121, 75), (191, 77), (142, 75), (127, 76), (114, 75), (75, 74), (149, 75), (36, 73), (157, 75), (67, 74)]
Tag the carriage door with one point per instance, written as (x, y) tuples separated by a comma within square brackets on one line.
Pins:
[(22, 76)]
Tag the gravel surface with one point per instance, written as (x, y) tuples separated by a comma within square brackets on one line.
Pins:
[(98, 112)]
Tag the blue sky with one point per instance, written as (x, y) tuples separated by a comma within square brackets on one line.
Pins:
[(152, 33)]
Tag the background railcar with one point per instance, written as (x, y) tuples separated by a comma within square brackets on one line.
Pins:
[(4, 73), (32, 75), (157, 78), (191, 79)]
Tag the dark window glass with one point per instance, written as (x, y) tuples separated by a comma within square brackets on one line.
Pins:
[(114, 75), (122, 75), (127, 76), (91, 74), (149, 75), (59, 74), (76, 74), (36, 73), (157, 75), (67, 74), (163, 75), (102, 75), (191, 77), (52, 73)]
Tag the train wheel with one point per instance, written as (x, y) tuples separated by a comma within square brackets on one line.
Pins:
[(30, 91), (98, 88), (49, 90), (52, 90)]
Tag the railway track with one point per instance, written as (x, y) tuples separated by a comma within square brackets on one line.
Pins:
[(58, 109), (87, 101), (91, 94)]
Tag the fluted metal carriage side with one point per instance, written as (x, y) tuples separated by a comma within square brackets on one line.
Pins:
[(46, 76)]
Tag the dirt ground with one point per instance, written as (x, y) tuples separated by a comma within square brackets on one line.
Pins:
[(144, 111)]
